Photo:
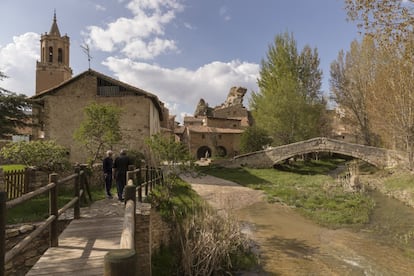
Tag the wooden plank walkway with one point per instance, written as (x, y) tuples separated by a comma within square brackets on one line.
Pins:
[(82, 247)]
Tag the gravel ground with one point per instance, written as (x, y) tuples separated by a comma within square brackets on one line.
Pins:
[(222, 194)]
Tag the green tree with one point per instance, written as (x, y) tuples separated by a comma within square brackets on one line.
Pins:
[(254, 139), (45, 155), (289, 105), (14, 111), (165, 148), (99, 130)]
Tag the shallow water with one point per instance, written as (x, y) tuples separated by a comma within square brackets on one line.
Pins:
[(290, 244)]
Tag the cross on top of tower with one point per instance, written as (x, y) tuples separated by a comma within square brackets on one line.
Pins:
[(54, 30)]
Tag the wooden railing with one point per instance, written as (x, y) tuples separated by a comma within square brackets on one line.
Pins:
[(79, 180), (145, 179), (123, 261)]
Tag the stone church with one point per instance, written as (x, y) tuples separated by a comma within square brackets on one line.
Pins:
[(216, 132), (61, 98)]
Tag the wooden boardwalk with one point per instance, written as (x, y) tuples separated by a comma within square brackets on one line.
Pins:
[(82, 247)]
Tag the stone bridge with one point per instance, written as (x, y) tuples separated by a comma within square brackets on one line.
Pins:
[(379, 157)]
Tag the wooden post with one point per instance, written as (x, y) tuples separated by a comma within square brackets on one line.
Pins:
[(3, 199), (152, 176), (86, 183), (147, 179), (120, 262), (130, 192), (53, 211), (26, 181), (162, 177), (139, 183), (2, 182), (76, 206)]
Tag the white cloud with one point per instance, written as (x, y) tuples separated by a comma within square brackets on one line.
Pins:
[(18, 62), (224, 13), (181, 88), (189, 26), (100, 7), (139, 50), (138, 37)]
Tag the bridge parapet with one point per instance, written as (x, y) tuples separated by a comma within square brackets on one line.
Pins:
[(379, 157)]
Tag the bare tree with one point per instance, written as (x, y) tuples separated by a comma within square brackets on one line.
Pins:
[(352, 84)]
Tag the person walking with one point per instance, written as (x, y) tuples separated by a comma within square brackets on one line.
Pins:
[(107, 170), (120, 169)]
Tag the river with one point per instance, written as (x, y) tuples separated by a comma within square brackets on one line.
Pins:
[(290, 244)]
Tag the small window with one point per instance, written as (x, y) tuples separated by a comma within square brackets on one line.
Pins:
[(203, 136), (219, 136)]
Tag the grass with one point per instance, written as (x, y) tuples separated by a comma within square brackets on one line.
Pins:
[(305, 186), (13, 167), (400, 181), (37, 209), (175, 203), (178, 200)]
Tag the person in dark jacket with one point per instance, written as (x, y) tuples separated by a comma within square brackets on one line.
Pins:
[(120, 169), (107, 170)]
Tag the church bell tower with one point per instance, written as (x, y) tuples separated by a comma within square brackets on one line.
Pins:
[(53, 67)]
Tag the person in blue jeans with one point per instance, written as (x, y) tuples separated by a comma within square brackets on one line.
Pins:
[(120, 169), (107, 170)]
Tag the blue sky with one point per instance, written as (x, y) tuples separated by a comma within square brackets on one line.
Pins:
[(179, 50)]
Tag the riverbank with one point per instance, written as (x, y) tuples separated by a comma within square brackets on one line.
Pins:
[(290, 244), (397, 184)]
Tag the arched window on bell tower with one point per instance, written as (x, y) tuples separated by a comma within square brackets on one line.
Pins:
[(60, 55), (50, 54)]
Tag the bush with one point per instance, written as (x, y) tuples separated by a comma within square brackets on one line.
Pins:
[(45, 155)]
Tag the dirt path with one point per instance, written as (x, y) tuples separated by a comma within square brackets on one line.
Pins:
[(222, 194)]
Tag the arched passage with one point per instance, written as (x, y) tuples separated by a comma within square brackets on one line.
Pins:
[(203, 152), (221, 151)]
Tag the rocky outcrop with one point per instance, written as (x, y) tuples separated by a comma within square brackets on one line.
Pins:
[(202, 109), (235, 96)]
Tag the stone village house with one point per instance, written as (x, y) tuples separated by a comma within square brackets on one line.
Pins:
[(60, 100), (216, 131)]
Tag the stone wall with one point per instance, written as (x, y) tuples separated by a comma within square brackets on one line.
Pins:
[(23, 262), (230, 141), (233, 111), (151, 233), (223, 122)]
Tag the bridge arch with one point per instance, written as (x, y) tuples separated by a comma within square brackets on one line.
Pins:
[(378, 157)]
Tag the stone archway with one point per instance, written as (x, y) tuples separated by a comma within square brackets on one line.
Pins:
[(203, 152), (221, 151)]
